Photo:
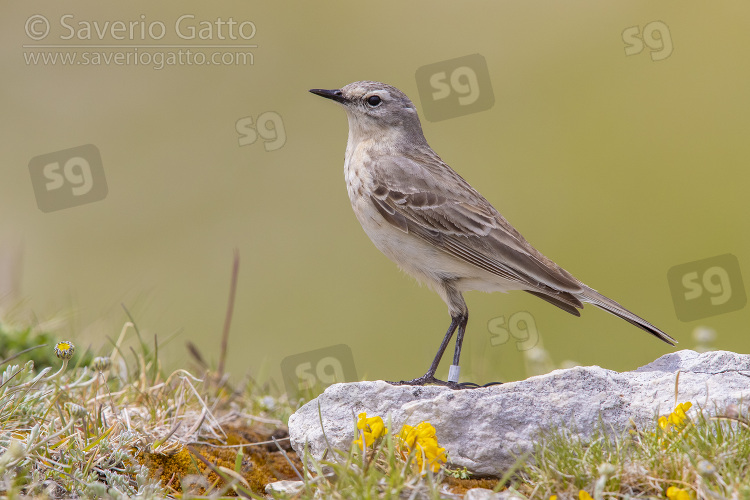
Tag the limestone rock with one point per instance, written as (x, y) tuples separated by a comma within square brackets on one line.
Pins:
[(285, 487), (484, 494), (485, 429)]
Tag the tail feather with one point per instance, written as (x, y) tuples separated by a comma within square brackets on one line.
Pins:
[(571, 303), (564, 301), (593, 297)]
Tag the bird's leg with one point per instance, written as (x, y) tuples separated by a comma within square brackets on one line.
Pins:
[(453, 374), (455, 322), (458, 321)]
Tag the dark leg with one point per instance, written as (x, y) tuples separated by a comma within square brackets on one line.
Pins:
[(459, 317), (455, 322), (457, 355), (460, 339), (429, 377)]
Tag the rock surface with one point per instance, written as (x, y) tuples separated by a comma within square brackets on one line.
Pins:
[(285, 487), (485, 429), (485, 494)]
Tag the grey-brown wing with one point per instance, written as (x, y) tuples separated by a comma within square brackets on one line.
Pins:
[(431, 201)]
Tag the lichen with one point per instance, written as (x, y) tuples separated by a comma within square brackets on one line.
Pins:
[(259, 466)]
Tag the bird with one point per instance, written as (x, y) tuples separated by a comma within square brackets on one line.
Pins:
[(436, 227)]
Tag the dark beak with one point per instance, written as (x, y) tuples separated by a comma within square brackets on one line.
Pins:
[(334, 95)]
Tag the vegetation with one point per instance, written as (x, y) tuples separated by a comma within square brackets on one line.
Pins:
[(117, 426)]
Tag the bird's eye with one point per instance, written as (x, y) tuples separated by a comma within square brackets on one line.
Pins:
[(374, 100)]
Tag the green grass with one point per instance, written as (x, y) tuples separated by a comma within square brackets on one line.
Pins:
[(84, 431), (25, 343), (60, 433), (709, 458), (381, 472), (83, 427)]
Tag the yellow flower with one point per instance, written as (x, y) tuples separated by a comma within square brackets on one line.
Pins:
[(675, 493), (64, 349), (663, 423), (582, 495), (675, 420), (678, 417), (423, 439), (553, 497), (372, 428)]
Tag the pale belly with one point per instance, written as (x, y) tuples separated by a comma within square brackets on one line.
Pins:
[(416, 257), (426, 263)]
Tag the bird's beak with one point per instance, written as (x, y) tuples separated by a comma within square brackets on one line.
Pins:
[(334, 95)]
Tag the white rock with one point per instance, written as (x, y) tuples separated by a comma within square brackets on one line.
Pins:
[(286, 487), (482, 494), (485, 429)]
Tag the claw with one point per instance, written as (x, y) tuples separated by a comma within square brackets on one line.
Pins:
[(425, 379)]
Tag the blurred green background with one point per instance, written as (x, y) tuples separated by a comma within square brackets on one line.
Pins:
[(617, 167)]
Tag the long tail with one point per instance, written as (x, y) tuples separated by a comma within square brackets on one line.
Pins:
[(593, 297), (572, 302)]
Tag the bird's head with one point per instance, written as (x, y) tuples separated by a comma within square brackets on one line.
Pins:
[(376, 110)]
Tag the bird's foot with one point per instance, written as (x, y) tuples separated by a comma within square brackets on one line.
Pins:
[(429, 379)]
